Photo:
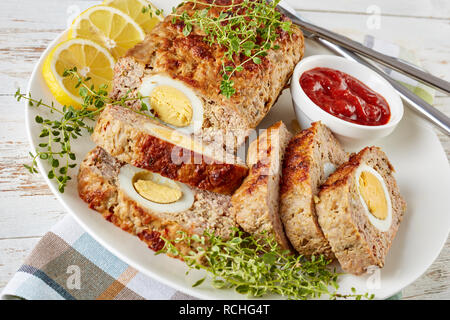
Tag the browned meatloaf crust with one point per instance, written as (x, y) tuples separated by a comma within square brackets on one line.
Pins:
[(198, 65), (98, 186), (303, 173), (356, 243), (256, 201), (125, 135)]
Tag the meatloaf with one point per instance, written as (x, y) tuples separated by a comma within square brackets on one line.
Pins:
[(198, 64), (137, 140), (310, 156), (99, 187), (358, 239), (255, 203)]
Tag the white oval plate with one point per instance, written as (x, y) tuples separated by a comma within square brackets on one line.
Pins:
[(423, 175)]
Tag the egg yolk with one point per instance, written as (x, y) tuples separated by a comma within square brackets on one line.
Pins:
[(372, 192), (171, 106), (156, 192)]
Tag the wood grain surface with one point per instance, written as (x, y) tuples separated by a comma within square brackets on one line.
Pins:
[(27, 207)]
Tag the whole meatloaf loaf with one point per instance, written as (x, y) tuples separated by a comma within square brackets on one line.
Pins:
[(99, 186), (198, 65), (310, 156), (256, 202), (347, 211), (137, 140)]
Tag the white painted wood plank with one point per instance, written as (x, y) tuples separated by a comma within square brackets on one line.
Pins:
[(417, 8), (26, 30), (28, 208)]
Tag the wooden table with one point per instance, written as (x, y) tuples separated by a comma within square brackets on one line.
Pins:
[(27, 207)]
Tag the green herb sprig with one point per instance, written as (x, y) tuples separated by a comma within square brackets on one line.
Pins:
[(248, 28), (57, 135), (258, 266), (150, 9)]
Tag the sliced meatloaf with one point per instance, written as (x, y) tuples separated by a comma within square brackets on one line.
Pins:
[(359, 239), (137, 140), (255, 203), (98, 185), (198, 64), (310, 156)]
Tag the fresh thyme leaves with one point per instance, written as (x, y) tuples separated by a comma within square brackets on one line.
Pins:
[(257, 267), (72, 123), (247, 28)]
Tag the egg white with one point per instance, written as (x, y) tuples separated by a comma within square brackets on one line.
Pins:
[(382, 225), (152, 82), (128, 172)]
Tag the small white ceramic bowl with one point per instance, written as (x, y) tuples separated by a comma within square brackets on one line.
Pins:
[(348, 132)]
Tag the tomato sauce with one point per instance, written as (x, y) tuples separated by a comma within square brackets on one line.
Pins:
[(345, 97)]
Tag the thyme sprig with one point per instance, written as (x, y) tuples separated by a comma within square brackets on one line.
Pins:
[(257, 266), (246, 29), (58, 135)]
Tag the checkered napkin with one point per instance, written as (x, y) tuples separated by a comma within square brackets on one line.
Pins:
[(69, 264)]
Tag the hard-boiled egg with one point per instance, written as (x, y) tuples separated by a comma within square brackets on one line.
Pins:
[(153, 191), (374, 196), (172, 102)]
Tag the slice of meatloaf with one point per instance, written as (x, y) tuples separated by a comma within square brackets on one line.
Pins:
[(355, 239), (255, 203), (310, 156), (198, 64), (98, 185), (137, 140)]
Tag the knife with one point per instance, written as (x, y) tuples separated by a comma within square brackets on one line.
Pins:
[(357, 47), (419, 105)]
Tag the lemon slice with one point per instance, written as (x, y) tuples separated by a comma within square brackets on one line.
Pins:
[(91, 60), (133, 8), (109, 27)]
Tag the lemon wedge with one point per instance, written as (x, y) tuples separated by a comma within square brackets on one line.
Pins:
[(90, 59), (109, 27), (133, 8)]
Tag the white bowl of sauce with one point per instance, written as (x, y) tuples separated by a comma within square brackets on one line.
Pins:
[(356, 103)]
